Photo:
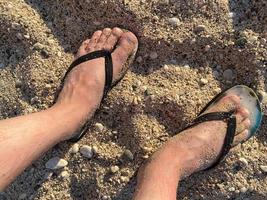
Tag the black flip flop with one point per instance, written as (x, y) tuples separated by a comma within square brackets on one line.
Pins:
[(108, 78), (249, 100)]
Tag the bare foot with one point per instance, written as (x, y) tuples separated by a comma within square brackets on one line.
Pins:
[(84, 86)]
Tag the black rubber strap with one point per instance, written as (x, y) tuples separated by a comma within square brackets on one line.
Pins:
[(230, 118), (108, 66), (108, 80)]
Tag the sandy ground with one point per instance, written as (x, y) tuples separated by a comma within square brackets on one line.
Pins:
[(181, 64)]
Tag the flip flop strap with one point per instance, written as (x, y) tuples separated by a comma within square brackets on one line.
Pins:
[(230, 118), (108, 66)]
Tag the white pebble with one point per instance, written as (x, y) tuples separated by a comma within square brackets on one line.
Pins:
[(75, 148), (86, 151), (99, 127), (231, 189), (264, 168), (124, 179), (64, 175), (243, 190), (114, 169), (243, 162), (203, 81), (174, 21), (56, 163)]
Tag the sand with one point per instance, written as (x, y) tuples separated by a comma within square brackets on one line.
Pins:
[(179, 68)]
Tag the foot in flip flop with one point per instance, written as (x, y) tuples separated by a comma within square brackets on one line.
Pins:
[(100, 63), (228, 120)]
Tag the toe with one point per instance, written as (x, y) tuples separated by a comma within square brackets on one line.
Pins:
[(245, 124), (93, 41), (127, 44), (113, 39), (82, 50), (103, 38), (242, 114), (241, 137)]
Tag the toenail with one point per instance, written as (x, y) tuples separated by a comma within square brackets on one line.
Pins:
[(106, 30), (117, 31)]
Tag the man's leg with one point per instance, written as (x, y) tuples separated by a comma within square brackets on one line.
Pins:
[(188, 152), (25, 138)]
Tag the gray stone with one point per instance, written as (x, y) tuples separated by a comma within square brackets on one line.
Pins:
[(216, 74), (56, 163), (86, 151), (128, 154), (22, 196), (174, 21), (200, 28), (153, 55), (139, 59), (228, 75)]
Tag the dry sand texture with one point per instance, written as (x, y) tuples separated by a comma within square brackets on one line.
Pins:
[(189, 51)]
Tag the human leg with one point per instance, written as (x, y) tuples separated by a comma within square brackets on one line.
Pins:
[(25, 138)]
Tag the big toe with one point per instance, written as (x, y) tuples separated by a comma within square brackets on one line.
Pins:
[(126, 46)]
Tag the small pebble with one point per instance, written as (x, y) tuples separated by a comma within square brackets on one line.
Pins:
[(74, 149), (19, 36), (264, 168), (231, 189), (228, 75), (216, 74), (174, 21), (243, 162), (64, 175), (56, 163), (95, 149), (125, 179), (207, 48), (18, 84), (48, 175), (165, 67), (263, 96), (86, 151), (243, 190), (128, 154), (200, 28), (139, 59), (114, 169), (203, 81), (99, 127), (22, 196), (153, 55)]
